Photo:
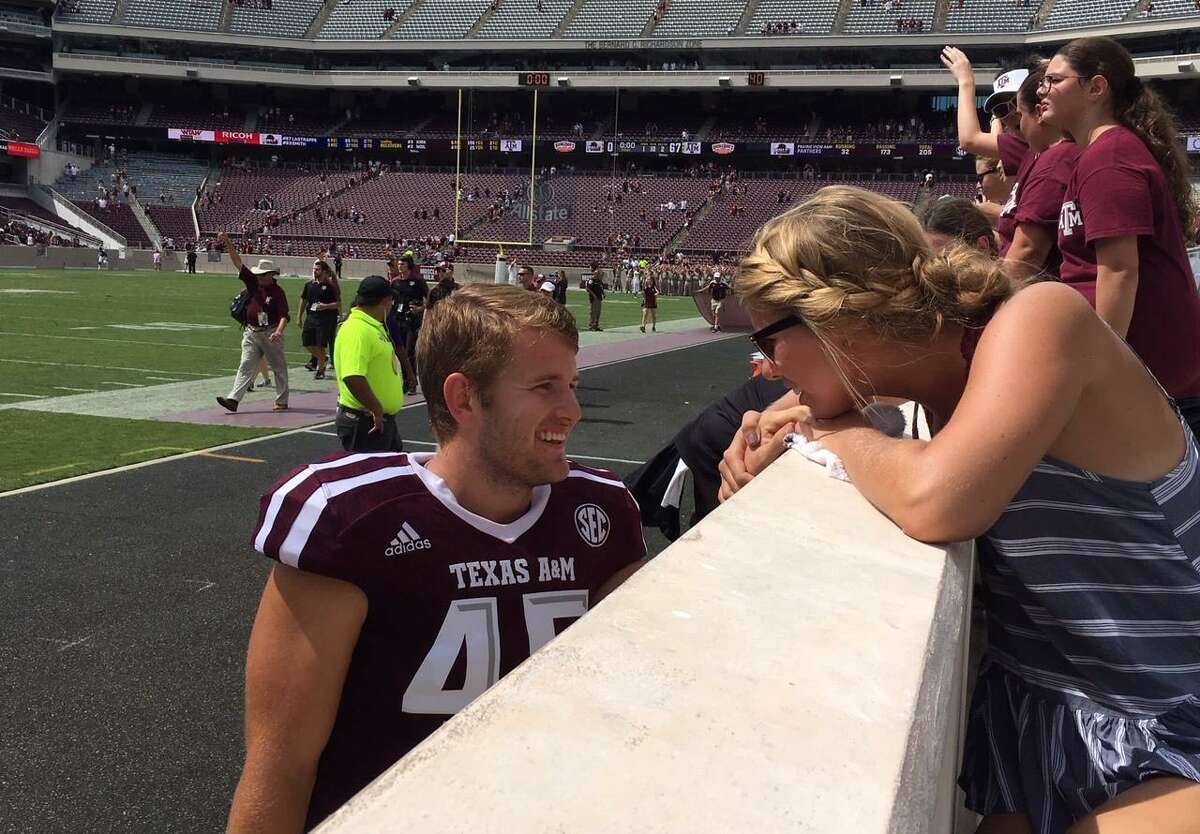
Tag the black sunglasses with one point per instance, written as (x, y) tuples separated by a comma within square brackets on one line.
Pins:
[(759, 338), (979, 178)]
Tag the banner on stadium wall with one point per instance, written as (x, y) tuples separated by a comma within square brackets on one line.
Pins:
[(591, 146), (26, 150), (1193, 144), (188, 134)]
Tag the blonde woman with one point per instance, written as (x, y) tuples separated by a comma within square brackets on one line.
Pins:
[(1056, 448), (650, 303)]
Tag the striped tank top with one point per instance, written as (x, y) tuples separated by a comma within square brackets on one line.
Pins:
[(1090, 682)]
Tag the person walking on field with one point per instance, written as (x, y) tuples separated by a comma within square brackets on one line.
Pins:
[(319, 310), (719, 291), (595, 291), (266, 317), (650, 304)]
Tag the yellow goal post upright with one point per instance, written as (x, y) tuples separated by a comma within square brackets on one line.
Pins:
[(458, 180)]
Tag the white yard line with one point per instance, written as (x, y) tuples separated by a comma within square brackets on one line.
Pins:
[(105, 367), (304, 430), (22, 396), (68, 388)]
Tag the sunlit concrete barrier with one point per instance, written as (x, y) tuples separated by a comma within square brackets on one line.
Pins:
[(793, 663)]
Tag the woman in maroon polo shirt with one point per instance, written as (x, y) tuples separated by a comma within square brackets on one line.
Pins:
[(1120, 230), (1028, 225)]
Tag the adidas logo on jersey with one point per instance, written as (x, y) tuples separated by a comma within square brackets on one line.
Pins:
[(406, 541)]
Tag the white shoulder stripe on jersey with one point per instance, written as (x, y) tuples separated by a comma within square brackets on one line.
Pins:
[(276, 503), (310, 513), (579, 473)]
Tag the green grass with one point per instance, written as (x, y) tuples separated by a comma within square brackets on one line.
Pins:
[(79, 335), (120, 331), (41, 446)]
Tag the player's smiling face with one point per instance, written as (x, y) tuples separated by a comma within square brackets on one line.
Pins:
[(802, 362), (531, 412)]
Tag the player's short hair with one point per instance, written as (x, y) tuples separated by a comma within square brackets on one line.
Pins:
[(473, 332)]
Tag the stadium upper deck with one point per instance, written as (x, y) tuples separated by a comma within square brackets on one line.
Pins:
[(649, 21)]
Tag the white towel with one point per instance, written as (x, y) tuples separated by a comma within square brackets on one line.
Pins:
[(886, 418)]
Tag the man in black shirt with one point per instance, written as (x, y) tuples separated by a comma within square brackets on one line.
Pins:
[(719, 292), (594, 285), (319, 309), (445, 283), (411, 291)]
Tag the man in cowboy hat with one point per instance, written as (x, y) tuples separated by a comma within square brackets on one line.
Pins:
[(262, 336)]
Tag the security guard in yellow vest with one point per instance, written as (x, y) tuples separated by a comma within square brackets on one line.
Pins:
[(370, 391)]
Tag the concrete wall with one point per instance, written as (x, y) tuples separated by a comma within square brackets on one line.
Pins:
[(794, 663)]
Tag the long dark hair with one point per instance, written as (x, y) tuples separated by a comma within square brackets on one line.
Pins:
[(1140, 109), (960, 218)]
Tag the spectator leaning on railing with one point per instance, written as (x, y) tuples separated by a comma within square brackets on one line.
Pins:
[(1054, 449)]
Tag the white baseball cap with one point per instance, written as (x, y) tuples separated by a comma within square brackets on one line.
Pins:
[(547, 287), (1006, 84)]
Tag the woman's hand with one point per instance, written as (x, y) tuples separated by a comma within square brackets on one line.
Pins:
[(955, 60), (751, 451)]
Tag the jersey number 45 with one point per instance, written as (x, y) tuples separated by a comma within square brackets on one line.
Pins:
[(476, 623)]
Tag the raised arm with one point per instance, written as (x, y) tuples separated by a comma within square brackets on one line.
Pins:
[(300, 648), (234, 257), (971, 136)]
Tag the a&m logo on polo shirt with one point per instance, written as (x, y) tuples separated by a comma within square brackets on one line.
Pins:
[(592, 523), (1068, 218)]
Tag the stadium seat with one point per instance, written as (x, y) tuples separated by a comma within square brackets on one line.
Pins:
[(285, 18), (361, 19), (700, 18), (817, 18), (610, 19), (442, 19), (195, 15), (523, 19)]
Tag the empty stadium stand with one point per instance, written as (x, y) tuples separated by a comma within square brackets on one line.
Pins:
[(361, 19), (194, 15), (285, 18), (173, 222), (86, 11), (1169, 9), (524, 19), (21, 16), (988, 16), (198, 116), (19, 120), (700, 18), (442, 19), (610, 19), (1068, 14), (120, 218)]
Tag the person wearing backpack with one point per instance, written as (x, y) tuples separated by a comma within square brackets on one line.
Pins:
[(262, 310)]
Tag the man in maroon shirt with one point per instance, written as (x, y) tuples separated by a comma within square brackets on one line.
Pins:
[(408, 584), (262, 337)]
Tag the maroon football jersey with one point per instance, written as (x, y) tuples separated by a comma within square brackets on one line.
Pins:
[(455, 601)]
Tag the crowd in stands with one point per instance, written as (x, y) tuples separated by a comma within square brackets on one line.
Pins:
[(14, 232)]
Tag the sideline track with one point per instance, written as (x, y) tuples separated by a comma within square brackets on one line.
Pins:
[(586, 353)]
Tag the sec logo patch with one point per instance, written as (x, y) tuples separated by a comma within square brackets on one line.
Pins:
[(592, 523)]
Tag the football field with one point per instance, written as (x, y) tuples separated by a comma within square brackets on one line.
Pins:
[(93, 365)]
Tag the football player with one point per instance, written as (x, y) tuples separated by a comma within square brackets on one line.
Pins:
[(408, 584)]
